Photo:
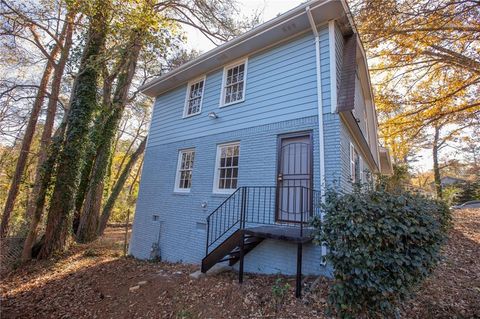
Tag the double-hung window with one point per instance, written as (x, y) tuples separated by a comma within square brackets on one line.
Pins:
[(234, 79), (183, 180), (226, 168), (194, 99)]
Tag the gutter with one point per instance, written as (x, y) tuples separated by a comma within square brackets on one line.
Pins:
[(285, 17)]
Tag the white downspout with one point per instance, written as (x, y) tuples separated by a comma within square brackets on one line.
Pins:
[(333, 66), (321, 140)]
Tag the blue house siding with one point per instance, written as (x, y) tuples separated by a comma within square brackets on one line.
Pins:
[(182, 235), (345, 179), (281, 97), (280, 85)]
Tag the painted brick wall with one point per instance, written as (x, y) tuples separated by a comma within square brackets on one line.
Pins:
[(179, 229)]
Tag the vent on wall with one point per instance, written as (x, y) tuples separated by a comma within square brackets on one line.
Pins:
[(201, 226)]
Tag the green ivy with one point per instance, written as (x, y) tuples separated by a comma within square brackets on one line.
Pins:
[(381, 245)]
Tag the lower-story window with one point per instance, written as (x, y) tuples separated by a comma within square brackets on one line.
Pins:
[(226, 168), (183, 180)]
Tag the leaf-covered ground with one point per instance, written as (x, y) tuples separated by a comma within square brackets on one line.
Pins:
[(94, 281)]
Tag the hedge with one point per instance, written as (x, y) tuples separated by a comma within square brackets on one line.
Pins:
[(381, 245)]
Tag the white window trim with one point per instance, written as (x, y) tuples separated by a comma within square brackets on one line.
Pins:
[(177, 189), (224, 79), (189, 87), (353, 167), (217, 190)]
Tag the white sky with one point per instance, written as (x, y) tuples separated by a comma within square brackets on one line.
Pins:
[(272, 8)]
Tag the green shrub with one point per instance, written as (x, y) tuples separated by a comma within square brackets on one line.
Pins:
[(279, 292), (381, 245)]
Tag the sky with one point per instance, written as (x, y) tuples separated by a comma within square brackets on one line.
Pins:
[(272, 8)]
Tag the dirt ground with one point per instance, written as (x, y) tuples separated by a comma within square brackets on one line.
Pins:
[(95, 281)]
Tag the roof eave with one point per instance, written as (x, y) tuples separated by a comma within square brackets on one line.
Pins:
[(288, 24)]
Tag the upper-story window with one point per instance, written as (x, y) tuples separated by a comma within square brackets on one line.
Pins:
[(234, 78), (193, 102), (183, 179), (226, 168)]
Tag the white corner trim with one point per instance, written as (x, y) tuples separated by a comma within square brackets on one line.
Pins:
[(333, 65), (235, 63), (177, 189), (189, 86)]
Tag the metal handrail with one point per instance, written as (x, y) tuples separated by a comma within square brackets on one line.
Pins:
[(262, 205)]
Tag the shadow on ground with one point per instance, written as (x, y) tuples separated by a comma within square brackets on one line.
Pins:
[(94, 281)]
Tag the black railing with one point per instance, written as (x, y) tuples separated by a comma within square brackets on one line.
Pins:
[(289, 206)]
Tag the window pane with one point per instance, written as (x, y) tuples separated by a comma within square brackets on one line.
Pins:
[(228, 167), (194, 98), (185, 169), (234, 84)]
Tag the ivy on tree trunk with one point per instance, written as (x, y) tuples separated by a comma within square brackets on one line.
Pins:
[(87, 230), (78, 123)]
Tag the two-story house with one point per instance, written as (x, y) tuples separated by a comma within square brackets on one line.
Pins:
[(245, 139)]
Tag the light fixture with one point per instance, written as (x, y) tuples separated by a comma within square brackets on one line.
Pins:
[(212, 115)]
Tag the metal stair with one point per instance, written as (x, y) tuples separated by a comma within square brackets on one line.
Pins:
[(230, 249)]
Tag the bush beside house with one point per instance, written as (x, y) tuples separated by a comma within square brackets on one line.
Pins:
[(382, 245)]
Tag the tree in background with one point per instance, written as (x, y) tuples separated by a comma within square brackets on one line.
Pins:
[(140, 22), (426, 70), (94, 106), (26, 24)]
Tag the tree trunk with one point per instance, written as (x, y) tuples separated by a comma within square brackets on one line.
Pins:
[(436, 168), (117, 188), (87, 230), (27, 143), (39, 191), (86, 173), (47, 172), (78, 123)]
